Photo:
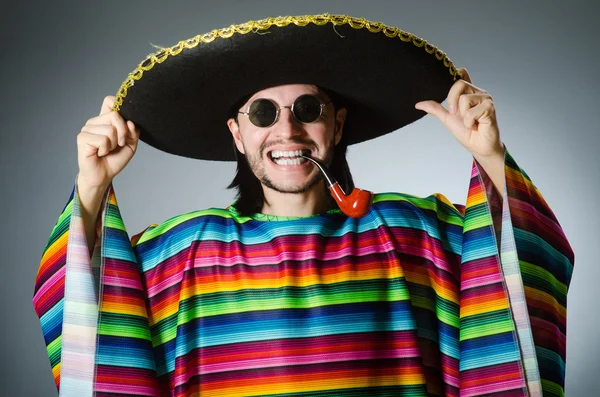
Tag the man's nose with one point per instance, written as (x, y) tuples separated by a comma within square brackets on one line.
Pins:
[(287, 126)]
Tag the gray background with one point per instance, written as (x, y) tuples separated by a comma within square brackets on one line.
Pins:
[(59, 59)]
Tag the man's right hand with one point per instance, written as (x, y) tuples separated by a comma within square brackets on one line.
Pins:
[(105, 145)]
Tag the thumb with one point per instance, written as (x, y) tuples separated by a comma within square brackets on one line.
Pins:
[(434, 108)]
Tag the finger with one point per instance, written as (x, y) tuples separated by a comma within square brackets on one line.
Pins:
[(109, 131), (434, 108), (480, 114), (92, 144), (134, 132), (459, 88), (114, 119), (122, 130), (464, 74), (107, 105), (467, 101)]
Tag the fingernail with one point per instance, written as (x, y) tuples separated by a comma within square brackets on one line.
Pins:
[(451, 109), (122, 142)]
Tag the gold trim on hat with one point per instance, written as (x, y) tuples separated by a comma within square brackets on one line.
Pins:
[(265, 24)]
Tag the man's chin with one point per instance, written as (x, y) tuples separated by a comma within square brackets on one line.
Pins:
[(291, 188)]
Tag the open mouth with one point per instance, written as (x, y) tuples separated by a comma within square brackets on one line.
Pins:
[(291, 157)]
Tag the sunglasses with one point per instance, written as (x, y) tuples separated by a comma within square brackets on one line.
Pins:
[(264, 112)]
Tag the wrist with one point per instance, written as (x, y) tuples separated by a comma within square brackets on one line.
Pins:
[(82, 183), (495, 155), (87, 191)]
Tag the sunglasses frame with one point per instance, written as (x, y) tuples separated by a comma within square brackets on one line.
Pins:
[(291, 107)]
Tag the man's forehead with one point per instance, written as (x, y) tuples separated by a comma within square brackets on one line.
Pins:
[(282, 91)]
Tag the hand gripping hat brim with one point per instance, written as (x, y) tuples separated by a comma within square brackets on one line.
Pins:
[(181, 97)]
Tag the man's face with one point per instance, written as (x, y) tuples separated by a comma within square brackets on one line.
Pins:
[(265, 148)]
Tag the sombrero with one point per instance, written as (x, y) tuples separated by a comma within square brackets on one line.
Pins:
[(181, 97)]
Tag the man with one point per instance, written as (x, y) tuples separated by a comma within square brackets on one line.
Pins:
[(283, 294)]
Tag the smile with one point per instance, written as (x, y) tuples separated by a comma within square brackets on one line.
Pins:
[(288, 157)]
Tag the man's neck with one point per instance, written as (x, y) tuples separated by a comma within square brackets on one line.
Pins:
[(314, 201)]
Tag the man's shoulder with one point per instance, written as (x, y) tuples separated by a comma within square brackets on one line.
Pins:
[(182, 222), (436, 207), (435, 201)]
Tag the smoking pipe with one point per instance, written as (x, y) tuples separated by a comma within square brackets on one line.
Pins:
[(356, 205)]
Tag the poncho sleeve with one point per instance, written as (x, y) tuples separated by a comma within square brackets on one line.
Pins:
[(513, 289), (92, 311)]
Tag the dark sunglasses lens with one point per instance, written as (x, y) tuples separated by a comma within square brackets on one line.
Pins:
[(262, 113), (307, 108)]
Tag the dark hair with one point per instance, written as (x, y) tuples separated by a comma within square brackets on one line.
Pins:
[(250, 198)]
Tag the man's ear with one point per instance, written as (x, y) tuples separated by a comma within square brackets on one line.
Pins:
[(234, 128), (340, 117)]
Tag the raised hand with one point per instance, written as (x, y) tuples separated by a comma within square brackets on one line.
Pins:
[(470, 117), (105, 146)]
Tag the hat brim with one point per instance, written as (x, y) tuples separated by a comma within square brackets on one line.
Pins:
[(181, 97)]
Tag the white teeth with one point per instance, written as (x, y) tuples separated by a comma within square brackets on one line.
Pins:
[(279, 153), (288, 157), (288, 161)]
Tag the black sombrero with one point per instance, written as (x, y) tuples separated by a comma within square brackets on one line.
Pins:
[(181, 97)]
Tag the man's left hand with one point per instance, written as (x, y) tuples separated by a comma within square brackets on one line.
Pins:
[(470, 117)]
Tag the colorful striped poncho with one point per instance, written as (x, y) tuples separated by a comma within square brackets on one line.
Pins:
[(421, 297)]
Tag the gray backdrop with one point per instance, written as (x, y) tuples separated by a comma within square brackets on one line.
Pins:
[(59, 59)]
